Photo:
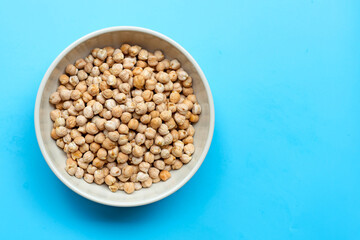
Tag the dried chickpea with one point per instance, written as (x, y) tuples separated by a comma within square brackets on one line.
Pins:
[(164, 175)]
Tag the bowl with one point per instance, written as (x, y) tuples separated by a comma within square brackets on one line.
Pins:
[(114, 37)]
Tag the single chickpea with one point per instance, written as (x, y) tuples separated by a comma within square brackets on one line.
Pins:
[(185, 158), (84, 148), (126, 148), (110, 180), (64, 79), (129, 62), (79, 172), (162, 77), (118, 57), (71, 122), (149, 157), (128, 171), (154, 172), (141, 177), (88, 178), (115, 171), (94, 147), (61, 131), (125, 48), (152, 61), (160, 67), (101, 54), (170, 160), (74, 80), (88, 67), (98, 163), (133, 124), (150, 106), (174, 64), (168, 139), (164, 175), (115, 187), (100, 123), (53, 134), (149, 143), (155, 149), (159, 164), (95, 71), (129, 187), (155, 122), (145, 119), (137, 151), (123, 129), (176, 151), (124, 88), (173, 77), (72, 147), (188, 91), (75, 95), (113, 153), (122, 158), (101, 154), (196, 109), (134, 50), (174, 97), (143, 54), (114, 136), (194, 118), (182, 108), (67, 138), (189, 149), (177, 165), (54, 114), (60, 143), (108, 144), (159, 55), (89, 138), (147, 183), (159, 98), (116, 69), (150, 84), (156, 180), (179, 119), (139, 81), (80, 140), (55, 98), (71, 70), (93, 89), (91, 128), (99, 138)]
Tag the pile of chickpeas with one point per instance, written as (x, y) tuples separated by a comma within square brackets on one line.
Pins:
[(124, 117)]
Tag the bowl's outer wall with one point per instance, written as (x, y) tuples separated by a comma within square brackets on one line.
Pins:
[(56, 157)]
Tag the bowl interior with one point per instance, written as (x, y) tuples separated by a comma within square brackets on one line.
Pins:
[(56, 157)]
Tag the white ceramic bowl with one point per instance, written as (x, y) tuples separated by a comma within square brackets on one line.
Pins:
[(114, 37)]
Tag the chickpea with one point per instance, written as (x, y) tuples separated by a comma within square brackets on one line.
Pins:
[(108, 144), (88, 178), (133, 124), (122, 158), (159, 164), (152, 60), (129, 187), (115, 171), (55, 98), (110, 180)]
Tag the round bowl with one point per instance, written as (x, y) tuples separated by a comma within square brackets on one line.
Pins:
[(114, 37)]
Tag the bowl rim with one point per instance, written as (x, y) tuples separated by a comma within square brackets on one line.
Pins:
[(78, 190)]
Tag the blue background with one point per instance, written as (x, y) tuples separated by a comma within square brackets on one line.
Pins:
[(284, 160)]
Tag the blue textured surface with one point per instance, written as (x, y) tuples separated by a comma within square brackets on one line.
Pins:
[(284, 161)]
